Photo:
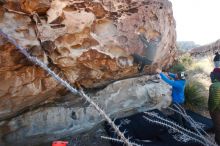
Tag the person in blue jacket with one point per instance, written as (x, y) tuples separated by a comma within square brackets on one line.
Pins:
[(177, 82), (178, 85)]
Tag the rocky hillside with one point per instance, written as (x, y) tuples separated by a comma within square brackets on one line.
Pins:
[(208, 49), (88, 42), (186, 45)]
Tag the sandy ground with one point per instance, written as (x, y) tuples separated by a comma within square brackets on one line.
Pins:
[(89, 138)]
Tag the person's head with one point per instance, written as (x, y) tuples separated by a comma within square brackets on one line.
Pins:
[(181, 76), (217, 60)]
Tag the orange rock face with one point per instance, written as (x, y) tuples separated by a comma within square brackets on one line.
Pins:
[(85, 41)]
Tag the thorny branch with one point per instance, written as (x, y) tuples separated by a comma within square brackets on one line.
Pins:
[(196, 136), (14, 11)]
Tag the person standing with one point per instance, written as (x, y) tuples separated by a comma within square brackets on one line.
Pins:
[(214, 97), (178, 87), (215, 74)]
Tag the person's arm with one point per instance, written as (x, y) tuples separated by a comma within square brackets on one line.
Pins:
[(166, 79), (172, 75), (212, 77)]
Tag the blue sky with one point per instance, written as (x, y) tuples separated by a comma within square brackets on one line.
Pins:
[(197, 20)]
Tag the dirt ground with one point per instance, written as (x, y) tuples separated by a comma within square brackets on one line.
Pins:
[(88, 138)]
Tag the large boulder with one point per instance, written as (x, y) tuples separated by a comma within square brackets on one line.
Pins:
[(73, 116), (86, 42)]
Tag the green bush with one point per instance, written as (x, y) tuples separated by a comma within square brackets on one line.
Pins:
[(194, 98), (177, 68), (198, 69), (186, 60)]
